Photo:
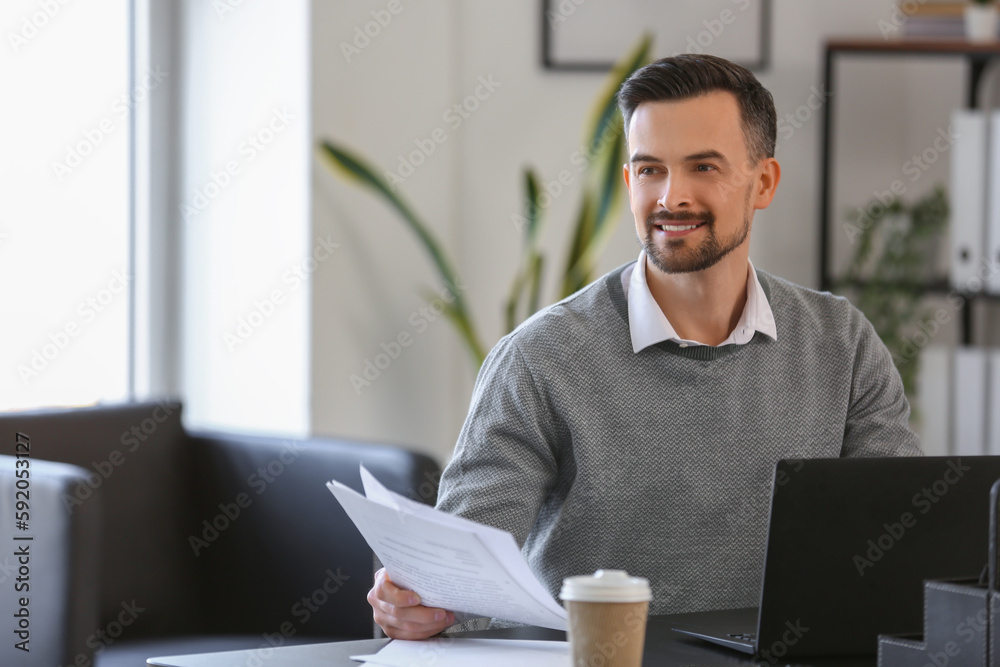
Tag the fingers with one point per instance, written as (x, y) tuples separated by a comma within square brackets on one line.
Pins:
[(399, 613)]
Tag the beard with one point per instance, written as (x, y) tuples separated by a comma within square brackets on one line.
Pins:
[(677, 257)]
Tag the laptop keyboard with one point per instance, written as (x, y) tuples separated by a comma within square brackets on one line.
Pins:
[(744, 636)]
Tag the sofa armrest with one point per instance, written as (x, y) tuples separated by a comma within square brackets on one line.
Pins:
[(49, 571)]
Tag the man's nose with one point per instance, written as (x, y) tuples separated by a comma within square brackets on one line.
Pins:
[(676, 194)]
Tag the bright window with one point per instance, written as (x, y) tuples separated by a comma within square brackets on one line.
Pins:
[(64, 207)]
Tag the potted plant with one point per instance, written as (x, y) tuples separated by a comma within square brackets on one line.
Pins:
[(981, 20), (891, 265)]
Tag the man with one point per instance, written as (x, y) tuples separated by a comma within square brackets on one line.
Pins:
[(636, 424)]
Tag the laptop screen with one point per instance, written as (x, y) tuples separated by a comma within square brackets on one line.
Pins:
[(852, 540)]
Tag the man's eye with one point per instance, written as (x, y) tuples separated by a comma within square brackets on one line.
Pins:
[(646, 171), (705, 167)]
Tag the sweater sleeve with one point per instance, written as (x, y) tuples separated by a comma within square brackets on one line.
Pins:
[(878, 414), (504, 463)]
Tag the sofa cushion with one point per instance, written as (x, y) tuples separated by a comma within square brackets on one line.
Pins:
[(281, 555), (139, 464)]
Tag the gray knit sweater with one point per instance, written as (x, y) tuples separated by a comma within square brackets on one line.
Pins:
[(661, 462)]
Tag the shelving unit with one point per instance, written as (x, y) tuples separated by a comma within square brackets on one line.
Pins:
[(977, 55)]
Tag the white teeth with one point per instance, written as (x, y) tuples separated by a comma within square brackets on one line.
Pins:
[(676, 228)]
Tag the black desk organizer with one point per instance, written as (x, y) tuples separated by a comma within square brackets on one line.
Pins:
[(961, 618)]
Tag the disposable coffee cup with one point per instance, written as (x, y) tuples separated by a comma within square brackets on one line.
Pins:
[(607, 618)]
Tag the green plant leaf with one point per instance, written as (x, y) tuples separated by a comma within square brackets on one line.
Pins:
[(531, 190), (535, 283), (605, 141), (468, 335), (610, 179), (887, 272), (522, 279), (609, 194), (605, 115), (582, 233), (513, 301), (355, 168)]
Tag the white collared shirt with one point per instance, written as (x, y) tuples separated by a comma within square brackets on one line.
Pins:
[(650, 326)]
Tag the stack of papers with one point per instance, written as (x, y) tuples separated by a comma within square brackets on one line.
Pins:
[(464, 652), (450, 562)]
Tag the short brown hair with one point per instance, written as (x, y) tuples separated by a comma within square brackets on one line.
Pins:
[(691, 75)]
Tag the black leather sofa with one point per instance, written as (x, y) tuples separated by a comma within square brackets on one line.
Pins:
[(148, 540)]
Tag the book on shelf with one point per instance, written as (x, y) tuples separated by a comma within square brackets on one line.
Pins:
[(974, 229), (967, 228), (934, 19), (969, 381)]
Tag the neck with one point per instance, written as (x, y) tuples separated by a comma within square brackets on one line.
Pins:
[(703, 305)]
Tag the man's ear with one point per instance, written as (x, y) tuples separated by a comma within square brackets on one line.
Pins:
[(627, 175), (767, 182)]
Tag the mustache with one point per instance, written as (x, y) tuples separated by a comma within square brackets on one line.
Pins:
[(662, 217)]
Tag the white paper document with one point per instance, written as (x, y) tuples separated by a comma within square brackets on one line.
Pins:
[(450, 562), (447, 652)]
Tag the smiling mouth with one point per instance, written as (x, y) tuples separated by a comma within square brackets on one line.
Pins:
[(679, 228)]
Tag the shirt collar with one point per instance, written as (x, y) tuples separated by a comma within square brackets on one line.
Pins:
[(649, 326)]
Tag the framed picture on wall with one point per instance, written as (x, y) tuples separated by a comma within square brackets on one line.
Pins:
[(590, 35)]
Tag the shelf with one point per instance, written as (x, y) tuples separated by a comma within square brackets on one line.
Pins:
[(939, 286), (914, 46), (977, 54)]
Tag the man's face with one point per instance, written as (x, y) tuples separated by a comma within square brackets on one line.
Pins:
[(691, 186)]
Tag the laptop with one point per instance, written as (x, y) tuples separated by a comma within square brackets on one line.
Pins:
[(849, 545)]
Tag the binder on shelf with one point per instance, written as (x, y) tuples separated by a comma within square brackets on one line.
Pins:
[(934, 390), (993, 403), (992, 253), (969, 376), (968, 198)]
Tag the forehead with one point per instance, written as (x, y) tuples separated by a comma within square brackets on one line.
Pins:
[(710, 121)]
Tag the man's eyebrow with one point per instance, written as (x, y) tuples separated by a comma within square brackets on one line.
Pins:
[(643, 157), (706, 155), (710, 154)]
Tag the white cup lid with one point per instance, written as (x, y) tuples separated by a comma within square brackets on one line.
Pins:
[(606, 586)]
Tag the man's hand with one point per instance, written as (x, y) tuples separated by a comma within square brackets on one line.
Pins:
[(400, 614)]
